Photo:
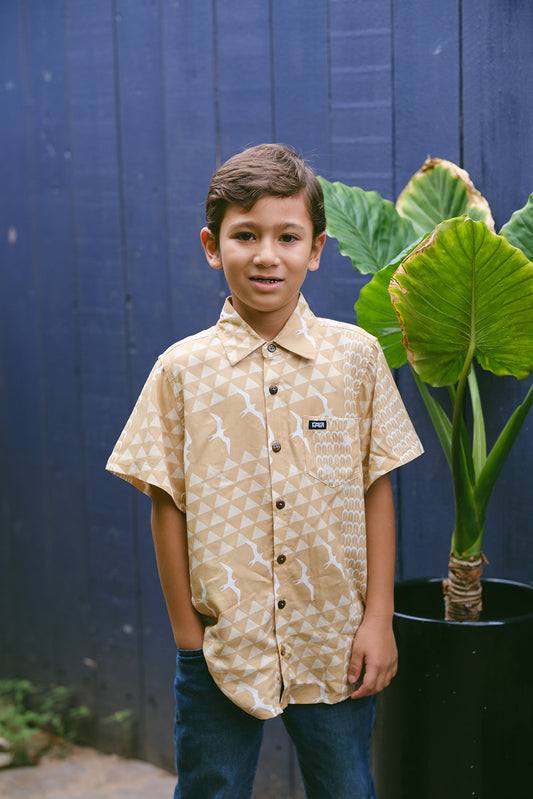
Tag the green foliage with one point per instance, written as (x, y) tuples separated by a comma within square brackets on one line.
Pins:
[(446, 292), (26, 710), (463, 293), (439, 191), (119, 717), (375, 312), (369, 229), (519, 229)]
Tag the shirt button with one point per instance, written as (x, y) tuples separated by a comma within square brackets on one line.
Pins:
[(271, 347), (280, 504), (281, 604), (281, 559), (276, 446), (273, 389), (282, 651)]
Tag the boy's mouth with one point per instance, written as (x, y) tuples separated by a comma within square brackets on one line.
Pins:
[(266, 279)]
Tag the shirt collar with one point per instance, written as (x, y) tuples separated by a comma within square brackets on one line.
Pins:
[(239, 339)]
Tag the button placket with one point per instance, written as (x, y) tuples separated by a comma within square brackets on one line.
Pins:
[(276, 425), (271, 378)]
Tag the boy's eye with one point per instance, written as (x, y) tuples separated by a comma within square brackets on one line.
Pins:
[(244, 235), (288, 237)]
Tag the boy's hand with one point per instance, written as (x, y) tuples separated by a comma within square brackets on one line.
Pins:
[(374, 658)]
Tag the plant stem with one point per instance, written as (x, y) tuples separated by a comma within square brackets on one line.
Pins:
[(467, 533)]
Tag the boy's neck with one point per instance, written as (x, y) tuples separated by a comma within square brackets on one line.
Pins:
[(269, 324)]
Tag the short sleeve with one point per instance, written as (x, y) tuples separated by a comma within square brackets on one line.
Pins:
[(149, 451), (391, 437)]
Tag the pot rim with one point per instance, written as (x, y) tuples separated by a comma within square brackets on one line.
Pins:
[(485, 623)]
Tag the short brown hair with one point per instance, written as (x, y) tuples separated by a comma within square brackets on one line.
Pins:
[(267, 169)]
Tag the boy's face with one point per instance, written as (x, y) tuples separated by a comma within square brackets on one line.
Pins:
[(265, 253)]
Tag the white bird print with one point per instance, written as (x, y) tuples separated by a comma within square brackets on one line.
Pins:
[(327, 409), (258, 702), (305, 578), (188, 442), (332, 560), (299, 433), (304, 332), (203, 598), (220, 432), (231, 583), (249, 407), (257, 558)]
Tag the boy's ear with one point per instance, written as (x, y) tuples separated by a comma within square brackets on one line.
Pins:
[(316, 252), (210, 248)]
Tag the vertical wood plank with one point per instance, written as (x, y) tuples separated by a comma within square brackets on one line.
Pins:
[(244, 75), (24, 402), (498, 117), (100, 251), (188, 41), (360, 118), (143, 192), (61, 476), (426, 84), (361, 99)]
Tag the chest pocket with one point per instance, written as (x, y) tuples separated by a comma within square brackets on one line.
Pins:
[(331, 449)]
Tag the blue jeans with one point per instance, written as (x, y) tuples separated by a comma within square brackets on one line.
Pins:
[(217, 743)]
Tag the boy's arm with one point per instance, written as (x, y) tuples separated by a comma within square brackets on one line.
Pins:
[(169, 531), (374, 654)]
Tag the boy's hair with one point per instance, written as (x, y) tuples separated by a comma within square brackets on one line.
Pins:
[(267, 169)]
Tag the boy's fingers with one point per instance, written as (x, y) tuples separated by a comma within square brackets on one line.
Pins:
[(355, 670), (374, 682), (366, 685)]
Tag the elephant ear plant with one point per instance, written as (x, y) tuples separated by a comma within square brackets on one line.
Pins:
[(447, 293)]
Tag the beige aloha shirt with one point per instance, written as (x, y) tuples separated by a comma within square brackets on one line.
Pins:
[(268, 447)]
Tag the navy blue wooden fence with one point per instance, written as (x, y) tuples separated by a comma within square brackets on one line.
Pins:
[(113, 116)]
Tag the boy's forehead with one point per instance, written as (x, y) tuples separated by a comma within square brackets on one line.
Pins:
[(291, 209)]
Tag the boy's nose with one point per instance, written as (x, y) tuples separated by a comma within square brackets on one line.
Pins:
[(266, 254)]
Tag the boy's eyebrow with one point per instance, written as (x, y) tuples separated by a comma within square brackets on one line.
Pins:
[(239, 223)]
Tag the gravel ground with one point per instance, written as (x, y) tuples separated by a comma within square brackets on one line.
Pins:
[(86, 774)]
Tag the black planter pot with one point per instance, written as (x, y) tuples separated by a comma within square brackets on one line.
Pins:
[(457, 721)]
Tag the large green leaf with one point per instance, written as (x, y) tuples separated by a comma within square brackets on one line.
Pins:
[(519, 229), (465, 292), (441, 190), (369, 229), (376, 313)]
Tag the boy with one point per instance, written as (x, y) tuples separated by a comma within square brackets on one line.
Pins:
[(265, 443)]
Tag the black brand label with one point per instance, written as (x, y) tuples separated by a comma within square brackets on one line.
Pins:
[(317, 424)]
